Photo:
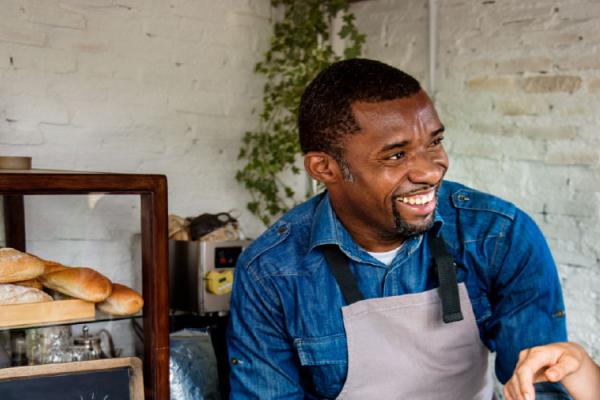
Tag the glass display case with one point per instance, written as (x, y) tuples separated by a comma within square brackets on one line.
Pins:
[(60, 206)]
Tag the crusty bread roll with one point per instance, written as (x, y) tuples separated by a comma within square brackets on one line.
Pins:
[(17, 266), (122, 301), (13, 294), (80, 282), (32, 283), (52, 266)]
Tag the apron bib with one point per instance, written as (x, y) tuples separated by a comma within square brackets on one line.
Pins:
[(414, 346)]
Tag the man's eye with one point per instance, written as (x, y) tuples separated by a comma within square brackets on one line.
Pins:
[(397, 156), (437, 141)]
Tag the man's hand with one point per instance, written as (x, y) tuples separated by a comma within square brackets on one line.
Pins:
[(565, 362)]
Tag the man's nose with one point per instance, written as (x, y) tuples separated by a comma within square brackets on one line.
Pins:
[(427, 168)]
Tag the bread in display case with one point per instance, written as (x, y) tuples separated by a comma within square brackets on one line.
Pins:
[(26, 285), (86, 293)]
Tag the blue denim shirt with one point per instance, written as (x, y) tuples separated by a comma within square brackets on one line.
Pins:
[(286, 335)]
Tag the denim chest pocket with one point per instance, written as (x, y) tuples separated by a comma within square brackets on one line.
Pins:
[(324, 362)]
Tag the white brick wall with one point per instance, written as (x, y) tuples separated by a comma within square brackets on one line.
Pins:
[(397, 33), (517, 88), (140, 86)]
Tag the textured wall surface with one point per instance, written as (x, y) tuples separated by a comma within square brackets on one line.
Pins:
[(142, 86), (518, 88), (139, 86)]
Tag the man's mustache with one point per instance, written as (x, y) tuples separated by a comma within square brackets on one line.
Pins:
[(417, 190)]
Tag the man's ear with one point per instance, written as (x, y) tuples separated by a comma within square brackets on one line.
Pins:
[(322, 167)]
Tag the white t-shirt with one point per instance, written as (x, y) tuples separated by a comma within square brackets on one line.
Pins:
[(385, 257)]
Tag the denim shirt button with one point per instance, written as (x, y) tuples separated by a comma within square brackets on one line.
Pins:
[(282, 230), (234, 361), (462, 197)]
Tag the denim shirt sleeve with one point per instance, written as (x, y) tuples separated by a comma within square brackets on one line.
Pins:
[(260, 354), (526, 297)]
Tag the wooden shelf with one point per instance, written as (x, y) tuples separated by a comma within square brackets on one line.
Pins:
[(98, 317), (47, 312)]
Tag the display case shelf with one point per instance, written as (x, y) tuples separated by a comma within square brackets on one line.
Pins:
[(98, 318), (152, 189)]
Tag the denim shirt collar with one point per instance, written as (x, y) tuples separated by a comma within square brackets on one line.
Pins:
[(328, 229)]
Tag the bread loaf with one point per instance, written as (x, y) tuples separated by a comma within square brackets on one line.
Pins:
[(13, 294), (79, 282), (32, 283), (17, 266), (122, 301), (52, 266)]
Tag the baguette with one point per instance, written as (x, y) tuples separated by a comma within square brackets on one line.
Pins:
[(17, 266), (52, 266), (122, 301), (32, 283), (13, 294), (79, 282)]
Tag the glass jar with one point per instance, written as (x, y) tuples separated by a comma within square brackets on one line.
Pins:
[(48, 345)]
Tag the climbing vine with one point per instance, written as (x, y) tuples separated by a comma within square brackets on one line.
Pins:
[(301, 46)]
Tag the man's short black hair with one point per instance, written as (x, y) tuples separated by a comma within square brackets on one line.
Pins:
[(325, 115)]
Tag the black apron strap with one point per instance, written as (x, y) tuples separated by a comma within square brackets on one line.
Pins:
[(338, 263), (446, 272)]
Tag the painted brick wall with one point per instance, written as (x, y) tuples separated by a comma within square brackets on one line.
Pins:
[(142, 86), (397, 33), (518, 87)]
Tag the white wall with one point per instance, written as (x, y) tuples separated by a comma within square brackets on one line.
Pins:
[(146, 86), (138, 86), (142, 86), (518, 88)]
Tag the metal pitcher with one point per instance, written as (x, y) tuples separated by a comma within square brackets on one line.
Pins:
[(89, 347)]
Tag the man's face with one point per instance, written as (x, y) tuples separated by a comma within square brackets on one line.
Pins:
[(397, 163)]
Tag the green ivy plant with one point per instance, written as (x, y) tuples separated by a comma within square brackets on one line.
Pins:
[(300, 48)]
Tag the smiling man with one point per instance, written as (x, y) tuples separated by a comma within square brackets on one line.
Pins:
[(393, 284)]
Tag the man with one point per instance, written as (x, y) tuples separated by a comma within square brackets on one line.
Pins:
[(393, 284)]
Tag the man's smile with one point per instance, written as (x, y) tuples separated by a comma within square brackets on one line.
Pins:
[(422, 203)]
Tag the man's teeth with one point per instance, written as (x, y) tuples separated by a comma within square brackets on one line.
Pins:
[(418, 200)]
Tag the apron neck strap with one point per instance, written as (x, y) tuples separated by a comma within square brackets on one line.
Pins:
[(446, 273), (338, 264), (444, 263)]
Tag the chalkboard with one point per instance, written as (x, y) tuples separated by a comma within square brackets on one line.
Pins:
[(112, 379)]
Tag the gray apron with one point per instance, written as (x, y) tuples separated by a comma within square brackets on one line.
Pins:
[(414, 346)]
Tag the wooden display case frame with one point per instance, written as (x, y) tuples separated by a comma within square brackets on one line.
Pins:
[(152, 189)]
